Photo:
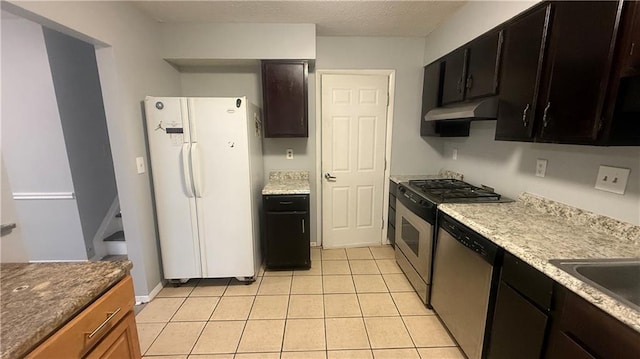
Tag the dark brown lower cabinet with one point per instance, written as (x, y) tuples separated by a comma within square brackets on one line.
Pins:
[(391, 222), (287, 240), (519, 327), (522, 312), (581, 330)]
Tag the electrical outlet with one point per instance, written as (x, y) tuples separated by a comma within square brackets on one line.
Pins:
[(289, 153), (541, 168), (140, 165), (454, 156), (612, 179)]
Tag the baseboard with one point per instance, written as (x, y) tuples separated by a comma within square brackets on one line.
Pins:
[(147, 298)]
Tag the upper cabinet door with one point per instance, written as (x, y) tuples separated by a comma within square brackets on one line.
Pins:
[(483, 63), (523, 52), (631, 40), (284, 87), (577, 69), (454, 76), (430, 95)]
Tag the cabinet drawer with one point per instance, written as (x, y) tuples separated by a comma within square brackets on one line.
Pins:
[(121, 343), (393, 187), (531, 283), (286, 203), (600, 334), (73, 341)]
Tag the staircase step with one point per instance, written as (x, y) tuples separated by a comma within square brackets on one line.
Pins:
[(115, 237)]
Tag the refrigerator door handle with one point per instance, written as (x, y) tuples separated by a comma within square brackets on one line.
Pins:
[(195, 168), (186, 149)]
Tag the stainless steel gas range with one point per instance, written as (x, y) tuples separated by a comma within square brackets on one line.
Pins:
[(416, 215)]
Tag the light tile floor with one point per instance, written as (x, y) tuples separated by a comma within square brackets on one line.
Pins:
[(353, 303)]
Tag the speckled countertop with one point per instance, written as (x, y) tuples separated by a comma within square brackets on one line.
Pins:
[(441, 174), (536, 230), (287, 182), (56, 292)]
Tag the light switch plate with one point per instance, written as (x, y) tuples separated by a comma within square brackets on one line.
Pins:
[(289, 153), (541, 168), (454, 155), (612, 179), (140, 165)]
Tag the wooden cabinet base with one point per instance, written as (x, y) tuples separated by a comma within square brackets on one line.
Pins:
[(108, 319), (122, 342)]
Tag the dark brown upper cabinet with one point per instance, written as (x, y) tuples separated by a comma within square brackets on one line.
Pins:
[(472, 71), (431, 96), (577, 69), (284, 90), (522, 56), (454, 73), (622, 106)]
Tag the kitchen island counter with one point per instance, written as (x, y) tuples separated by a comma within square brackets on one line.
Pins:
[(536, 230), (39, 298)]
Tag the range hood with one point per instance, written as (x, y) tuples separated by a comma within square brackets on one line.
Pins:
[(453, 120)]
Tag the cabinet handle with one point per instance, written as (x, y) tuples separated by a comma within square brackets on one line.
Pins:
[(524, 116), (469, 82), (545, 120), (286, 202), (95, 331), (303, 225)]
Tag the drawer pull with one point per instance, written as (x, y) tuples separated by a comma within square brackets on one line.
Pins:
[(111, 315)]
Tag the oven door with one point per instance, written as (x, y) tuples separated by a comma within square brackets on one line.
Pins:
[(414, 238)]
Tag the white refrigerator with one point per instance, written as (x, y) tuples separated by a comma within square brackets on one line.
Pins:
[(207, 170)]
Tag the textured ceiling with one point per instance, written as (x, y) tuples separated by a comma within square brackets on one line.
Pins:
[(332, 18)]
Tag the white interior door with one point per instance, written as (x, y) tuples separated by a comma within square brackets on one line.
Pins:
[(354, 117)]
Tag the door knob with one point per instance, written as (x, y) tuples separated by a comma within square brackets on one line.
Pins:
[(329, 177)]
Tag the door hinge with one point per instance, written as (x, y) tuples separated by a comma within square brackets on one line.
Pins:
[(385, 164), (382, 227), (388, 99)]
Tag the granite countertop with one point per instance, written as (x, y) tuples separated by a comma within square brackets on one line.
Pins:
[(441, 174), (39, 298), (287, 182), (536, 230)]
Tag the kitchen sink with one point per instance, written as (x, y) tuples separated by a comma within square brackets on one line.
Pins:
[(619, 278)]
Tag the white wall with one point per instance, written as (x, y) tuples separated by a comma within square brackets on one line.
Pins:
[(471, 20), (509, 166), (79, 97), (222, 81), (33, 146), (183, 41), (13, 248), (130, 67)]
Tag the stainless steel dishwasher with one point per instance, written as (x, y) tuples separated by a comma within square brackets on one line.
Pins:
[(464, 283)]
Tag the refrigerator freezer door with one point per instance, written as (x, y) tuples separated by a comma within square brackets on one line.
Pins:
[(224, 205), (168, 135)]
